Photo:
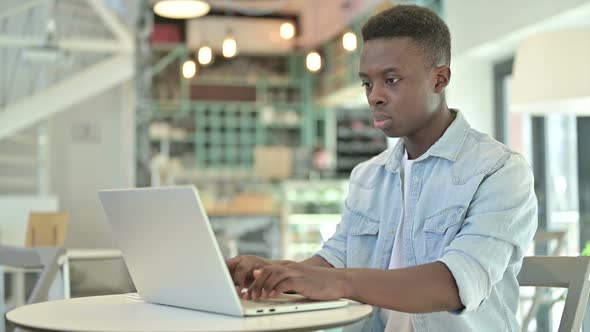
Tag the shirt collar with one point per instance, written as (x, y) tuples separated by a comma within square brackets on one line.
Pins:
[(448, 145)]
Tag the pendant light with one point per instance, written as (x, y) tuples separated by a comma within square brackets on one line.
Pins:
[(349, 41), (205, 55), (230, 46), (189, 69), (287, 30), (313, 61), (181, 9)]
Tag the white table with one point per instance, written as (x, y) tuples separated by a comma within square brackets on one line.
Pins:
[(125, 312)]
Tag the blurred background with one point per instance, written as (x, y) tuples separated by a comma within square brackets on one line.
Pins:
[(258, 104)]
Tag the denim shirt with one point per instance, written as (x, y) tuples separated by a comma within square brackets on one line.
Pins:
[(471, 205)]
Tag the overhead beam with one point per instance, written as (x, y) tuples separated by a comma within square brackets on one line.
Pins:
[(8, 12), (112, 22), (56, 98), (81, 45)]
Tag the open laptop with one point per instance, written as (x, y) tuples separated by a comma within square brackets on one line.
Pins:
[(173, 256)]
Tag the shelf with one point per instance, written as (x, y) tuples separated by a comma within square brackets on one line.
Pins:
[(304, 247), (282, 126), (189, 140), (314, 219), (360, 148), (274, 81), (359, 133)]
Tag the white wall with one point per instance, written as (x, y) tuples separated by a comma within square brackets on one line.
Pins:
[(475, 22), (92, 148), (486, 32), (471, 91)]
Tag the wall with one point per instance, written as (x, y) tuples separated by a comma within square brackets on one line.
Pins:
[(487, 32), (471, 91), (475, 22), (92, 148)]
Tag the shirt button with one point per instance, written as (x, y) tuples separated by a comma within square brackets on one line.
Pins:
[(415, 178)]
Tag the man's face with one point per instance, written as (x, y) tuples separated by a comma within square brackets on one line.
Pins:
[(400, 85)]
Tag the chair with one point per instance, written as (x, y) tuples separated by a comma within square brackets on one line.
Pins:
[(47, 229), (540, 295), (562, 272), (44, 258)]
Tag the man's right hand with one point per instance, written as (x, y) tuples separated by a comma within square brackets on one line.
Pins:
[(242, 269)]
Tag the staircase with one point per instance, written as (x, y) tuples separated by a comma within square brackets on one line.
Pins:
[(21, 166), (54, 54)]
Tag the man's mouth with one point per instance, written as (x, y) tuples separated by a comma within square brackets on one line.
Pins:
[(381, 121)]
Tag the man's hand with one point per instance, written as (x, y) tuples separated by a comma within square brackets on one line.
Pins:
[(418, 289), (241, 269), (317, 283)]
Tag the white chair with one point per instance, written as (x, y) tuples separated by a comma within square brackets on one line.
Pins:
[(562, 272), (42, 258), (558, 238)]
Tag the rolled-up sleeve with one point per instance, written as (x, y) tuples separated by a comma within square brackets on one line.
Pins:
[(334, 250), (498, 228)]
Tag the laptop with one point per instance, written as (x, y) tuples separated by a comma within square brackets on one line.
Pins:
[(173, 256)]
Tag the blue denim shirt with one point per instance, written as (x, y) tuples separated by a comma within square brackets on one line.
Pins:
[(471, 205)]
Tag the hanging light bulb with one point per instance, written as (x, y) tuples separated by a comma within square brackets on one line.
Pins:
[(230, 46), (313, 61), (189, 69), (349, 41), (287, 30), (181, 9), (205, 55)]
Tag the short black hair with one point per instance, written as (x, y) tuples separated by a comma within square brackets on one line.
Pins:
[(422, 25)]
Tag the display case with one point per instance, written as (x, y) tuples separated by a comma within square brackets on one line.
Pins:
[(312, 210), (357, 139)]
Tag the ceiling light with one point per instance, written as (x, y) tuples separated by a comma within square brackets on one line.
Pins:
[(313, 61), (230, 46), (287, 30), (349, 41), (181, 9), (189, 69), (205, 55)]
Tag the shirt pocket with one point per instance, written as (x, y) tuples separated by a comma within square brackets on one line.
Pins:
[(440, 229), (361, 242)]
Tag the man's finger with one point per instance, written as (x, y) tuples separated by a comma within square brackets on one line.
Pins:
[(260, 277), (279, 276), (232, 263), (289, 285), (241, 275)]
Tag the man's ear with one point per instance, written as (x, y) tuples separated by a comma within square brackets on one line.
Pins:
[(442, 78)]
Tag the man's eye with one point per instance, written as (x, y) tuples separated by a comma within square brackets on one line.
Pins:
[(391, 80), (366, 85)]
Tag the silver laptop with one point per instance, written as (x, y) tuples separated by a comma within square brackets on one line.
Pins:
[(173, 256)]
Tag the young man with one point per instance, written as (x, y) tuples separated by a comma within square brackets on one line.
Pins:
[(434, 230)]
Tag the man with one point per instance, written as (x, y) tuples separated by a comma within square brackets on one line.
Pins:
[(434, 230)]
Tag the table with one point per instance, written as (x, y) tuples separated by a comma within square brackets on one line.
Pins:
[(126, 312)]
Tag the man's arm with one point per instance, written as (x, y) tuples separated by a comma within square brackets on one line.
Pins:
[(418, 289), (316, 261)]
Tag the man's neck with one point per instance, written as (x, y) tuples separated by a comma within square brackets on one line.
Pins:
[(419, 142)]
